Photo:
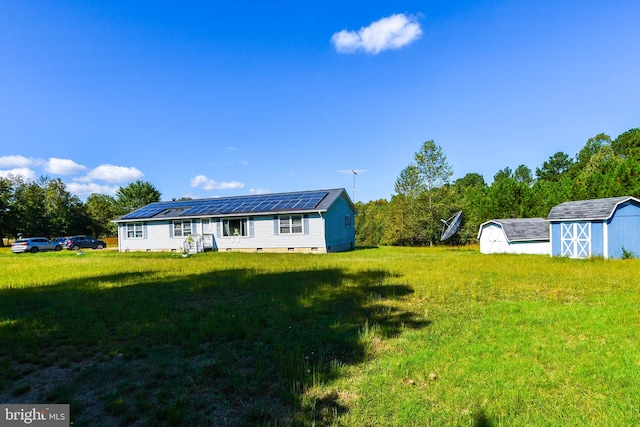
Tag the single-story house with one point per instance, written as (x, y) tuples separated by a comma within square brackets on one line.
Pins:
[(514, 236), (305, 221), (599, 227)]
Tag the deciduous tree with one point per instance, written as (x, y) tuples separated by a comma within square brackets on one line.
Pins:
[(422, 204), (370, 222), (29, 209), (472, 195), (101, 209), (6, 194), (136, 195), (432, 165)]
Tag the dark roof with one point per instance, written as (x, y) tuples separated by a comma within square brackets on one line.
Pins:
[(522, 229), (298, 202), (596, 209)]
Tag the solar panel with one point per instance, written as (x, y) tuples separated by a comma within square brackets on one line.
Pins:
[(232, 205), (145, 212), (257, 204), (155, 208)]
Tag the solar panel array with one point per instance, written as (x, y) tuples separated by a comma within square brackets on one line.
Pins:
[(155, 208), (235, 205)]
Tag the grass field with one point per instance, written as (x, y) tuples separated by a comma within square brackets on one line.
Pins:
[(373, 337)]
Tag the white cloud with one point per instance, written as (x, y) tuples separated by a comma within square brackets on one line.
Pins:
[(392, 32), (26, 173), (30, 168), (210, 184), (15, 161), (346, 41), (90, 188), (63, 166), (111, 173)]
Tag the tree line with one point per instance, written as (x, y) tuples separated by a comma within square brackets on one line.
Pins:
[(424, 193), (45, 208)]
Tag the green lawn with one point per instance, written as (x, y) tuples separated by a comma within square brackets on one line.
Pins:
[(374, 337)]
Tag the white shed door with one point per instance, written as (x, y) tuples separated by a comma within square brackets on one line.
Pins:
[(492, 240), (576, 239)]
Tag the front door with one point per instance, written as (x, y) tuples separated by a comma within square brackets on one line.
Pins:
[(576, 239)]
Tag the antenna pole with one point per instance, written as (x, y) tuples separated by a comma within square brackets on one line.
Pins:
[(354, 184)]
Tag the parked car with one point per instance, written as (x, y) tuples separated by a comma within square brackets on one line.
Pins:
[(81, 242), (34, 244)]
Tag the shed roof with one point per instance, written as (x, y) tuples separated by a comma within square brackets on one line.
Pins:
[(293, 202), (595, 209), (521, 229)]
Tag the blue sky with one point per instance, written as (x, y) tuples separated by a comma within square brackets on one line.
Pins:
[(209, 98)]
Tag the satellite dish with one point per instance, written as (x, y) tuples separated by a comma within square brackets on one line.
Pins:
[(451, 226)]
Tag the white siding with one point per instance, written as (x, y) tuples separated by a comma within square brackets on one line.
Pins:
[(159, 237), (494, 241), (535, 248), (265, 237)]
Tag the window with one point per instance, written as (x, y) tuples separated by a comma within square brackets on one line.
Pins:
[(181, 228), (135, 230), (290, 224), (234, 227), (347, 221)]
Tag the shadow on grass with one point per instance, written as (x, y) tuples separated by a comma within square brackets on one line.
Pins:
[(481, 419), (224, 348)]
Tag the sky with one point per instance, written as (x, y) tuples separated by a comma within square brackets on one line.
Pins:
[(212, 98)]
